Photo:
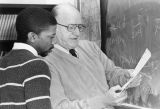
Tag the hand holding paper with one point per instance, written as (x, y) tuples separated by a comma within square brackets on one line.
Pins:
[(145, 57), (136, 82)]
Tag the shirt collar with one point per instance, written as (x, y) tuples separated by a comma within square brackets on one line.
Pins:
[(61, 48), (64, 50), (25, 46)]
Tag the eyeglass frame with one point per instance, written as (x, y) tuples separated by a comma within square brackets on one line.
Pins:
[(77, 25)]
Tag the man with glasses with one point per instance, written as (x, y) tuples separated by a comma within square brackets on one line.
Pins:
[(78, 67)]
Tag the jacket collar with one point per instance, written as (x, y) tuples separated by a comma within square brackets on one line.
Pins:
[(24, 46)]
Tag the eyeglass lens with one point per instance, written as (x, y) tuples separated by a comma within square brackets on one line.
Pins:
[(72, 27)]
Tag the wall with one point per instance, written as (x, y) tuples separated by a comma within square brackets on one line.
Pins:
[(90, 10), (36, 1)]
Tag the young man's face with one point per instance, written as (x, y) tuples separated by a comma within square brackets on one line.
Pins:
[(44, 41)]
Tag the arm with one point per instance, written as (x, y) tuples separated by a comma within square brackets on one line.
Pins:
[(37, 85), (114, 74), (60, 101)]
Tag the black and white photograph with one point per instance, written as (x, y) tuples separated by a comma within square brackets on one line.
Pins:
[(79, 54)]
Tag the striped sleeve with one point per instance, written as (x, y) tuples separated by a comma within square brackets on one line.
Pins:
[(37, 86)]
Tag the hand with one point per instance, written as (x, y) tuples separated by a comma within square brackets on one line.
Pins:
[(116, 96), (120, 78), (137, 80), (111, 98)]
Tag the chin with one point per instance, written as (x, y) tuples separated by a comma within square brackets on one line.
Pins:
[(74, 45), (44, 54)]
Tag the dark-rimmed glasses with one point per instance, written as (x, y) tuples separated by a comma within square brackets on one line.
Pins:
[(72, 27)]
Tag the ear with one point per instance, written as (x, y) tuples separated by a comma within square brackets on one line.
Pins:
[(32, 37)]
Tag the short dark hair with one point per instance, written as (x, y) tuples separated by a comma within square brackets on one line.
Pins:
[(33, 19)]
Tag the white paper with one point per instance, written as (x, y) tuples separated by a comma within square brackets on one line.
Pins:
[(145, 57)]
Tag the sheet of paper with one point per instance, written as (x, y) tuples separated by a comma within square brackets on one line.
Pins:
[(126, 105), (145, 57)]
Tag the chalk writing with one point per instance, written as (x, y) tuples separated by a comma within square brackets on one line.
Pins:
[(157, 28), (124, 22), (130, 61), (117, 40), (137, 31)]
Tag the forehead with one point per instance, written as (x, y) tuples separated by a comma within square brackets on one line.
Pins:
[(69, 16)]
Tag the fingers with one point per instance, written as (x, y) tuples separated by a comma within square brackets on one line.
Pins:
[(124, 78), (112, 91), (131, 72), (116, 97), (117, 87), (120, 99), (120, 96), (116, 91), (136, 82), (127, 75), (139, 79), (120, 78)]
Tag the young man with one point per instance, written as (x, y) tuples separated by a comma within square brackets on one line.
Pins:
[(24, 78)]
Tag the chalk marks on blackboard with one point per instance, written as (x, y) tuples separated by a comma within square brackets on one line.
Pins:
[(117, 40), (137, 31), (157, 28), (124, 22), (130, 61), (118, 22), (117, 56), (132, 26)]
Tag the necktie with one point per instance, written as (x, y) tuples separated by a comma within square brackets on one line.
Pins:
[(73, 52)]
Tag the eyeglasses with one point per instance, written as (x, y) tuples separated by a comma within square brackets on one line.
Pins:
[(72, 27)]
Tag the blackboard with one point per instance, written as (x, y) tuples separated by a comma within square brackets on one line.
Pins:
[(133, 29)]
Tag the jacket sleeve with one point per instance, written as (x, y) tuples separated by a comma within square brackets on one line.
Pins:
[(111, 70)]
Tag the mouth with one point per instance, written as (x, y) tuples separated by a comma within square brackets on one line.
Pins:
[(50, 49), (74, 38)]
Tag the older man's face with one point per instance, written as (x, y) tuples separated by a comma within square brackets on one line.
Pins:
[(68, 37)]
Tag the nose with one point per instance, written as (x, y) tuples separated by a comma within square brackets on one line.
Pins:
[(76, 32)]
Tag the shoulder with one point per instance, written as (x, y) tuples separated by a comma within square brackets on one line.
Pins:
[(86, 42), (88, 45), (36, 66), (37, 63)]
